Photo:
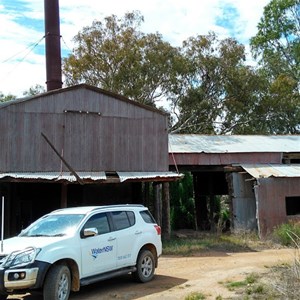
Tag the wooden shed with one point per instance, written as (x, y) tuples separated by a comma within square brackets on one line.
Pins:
[(77, 146)]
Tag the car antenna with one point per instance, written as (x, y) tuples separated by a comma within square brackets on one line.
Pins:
[(2, 224)]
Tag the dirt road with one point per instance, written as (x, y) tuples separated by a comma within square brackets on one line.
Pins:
[(177, 277)]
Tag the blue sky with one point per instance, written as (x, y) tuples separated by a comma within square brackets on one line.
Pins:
[(22, 59)]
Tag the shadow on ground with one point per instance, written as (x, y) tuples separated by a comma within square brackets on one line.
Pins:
[(118, 288)]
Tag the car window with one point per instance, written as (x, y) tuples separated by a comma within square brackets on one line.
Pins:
[(131, 217), (123, 219), (147, 217), (99, 221)]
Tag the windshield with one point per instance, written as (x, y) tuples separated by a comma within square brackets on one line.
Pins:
[(53, 225)]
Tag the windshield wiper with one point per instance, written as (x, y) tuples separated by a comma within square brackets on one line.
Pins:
[(43, 235), (36, 235), (58, 234)]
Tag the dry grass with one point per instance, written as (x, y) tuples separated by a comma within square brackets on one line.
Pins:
[(286, 278), (280, 282), (190, 243)]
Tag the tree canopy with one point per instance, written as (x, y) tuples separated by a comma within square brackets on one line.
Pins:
[(218, 92), (206, 81), (116, 56), (277, 42), (4, 98), (277, 47), (207, 84)]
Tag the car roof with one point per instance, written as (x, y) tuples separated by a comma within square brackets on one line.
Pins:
[(88, 209)]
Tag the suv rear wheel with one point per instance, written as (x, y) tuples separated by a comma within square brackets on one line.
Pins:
[(145, 266), (57, 284)]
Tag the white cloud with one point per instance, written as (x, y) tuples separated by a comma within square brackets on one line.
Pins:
[(176, 20)]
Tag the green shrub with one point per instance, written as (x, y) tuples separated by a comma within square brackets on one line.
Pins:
[(195, 296), (182, 203), (287, 233)]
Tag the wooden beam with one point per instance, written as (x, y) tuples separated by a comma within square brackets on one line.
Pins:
[(166, 220)]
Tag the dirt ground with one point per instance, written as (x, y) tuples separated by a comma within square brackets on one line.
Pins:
[(177, 277)]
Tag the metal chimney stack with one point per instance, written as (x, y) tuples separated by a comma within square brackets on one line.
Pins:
[(53, 50)]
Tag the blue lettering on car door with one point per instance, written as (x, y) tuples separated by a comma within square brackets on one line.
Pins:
[(96, 251)]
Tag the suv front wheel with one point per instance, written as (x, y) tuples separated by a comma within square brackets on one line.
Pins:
[(145, 266), (58, 283)]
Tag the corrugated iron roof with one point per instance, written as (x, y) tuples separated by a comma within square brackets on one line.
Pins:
[(272, 170), (92, 176), (194, 143), (54, 176), (154, 176)]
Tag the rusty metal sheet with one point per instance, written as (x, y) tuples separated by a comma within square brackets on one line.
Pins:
[(153, 176), (54, 176), (196, 143), (92, 176), (272, 170)]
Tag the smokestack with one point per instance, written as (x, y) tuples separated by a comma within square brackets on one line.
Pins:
[(52, 40)]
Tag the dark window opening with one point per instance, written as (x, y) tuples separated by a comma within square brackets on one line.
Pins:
[(292, 205), (291, 158)]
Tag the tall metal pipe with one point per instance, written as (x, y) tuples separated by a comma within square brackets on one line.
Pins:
[(53, 49)]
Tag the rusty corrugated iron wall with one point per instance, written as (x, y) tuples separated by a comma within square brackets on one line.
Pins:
[(243, 202), (271, 196), (92, 129)]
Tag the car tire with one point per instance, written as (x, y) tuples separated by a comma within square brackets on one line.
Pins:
[(145, 266), (58, 283)]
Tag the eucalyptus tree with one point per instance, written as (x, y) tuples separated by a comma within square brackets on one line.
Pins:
[(115, 55), (277, 48), (4, 98), (218, 92), (277, 42), (34, 90)]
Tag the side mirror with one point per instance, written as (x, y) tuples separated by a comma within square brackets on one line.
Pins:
[(90, 232)]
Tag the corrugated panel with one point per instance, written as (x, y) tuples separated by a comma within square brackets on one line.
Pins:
[(265, 171), (55, 176), (193, 143), (93, 176), (94, 131), (124, 176)]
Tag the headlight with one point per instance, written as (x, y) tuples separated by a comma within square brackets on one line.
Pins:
[(20, 258)]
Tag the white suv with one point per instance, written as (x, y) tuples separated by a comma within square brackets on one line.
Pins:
[(73, 247)]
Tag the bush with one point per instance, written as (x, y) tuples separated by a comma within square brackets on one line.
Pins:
[(182, 203), (195, 296), (287, 233)]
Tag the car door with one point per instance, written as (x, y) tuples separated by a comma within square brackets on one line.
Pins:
[(126, 235), (98, 253)]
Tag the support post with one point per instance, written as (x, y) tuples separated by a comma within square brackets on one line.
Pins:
[(157, 203), (202, 222), (64, 195), (166, 221), (2, 224)]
